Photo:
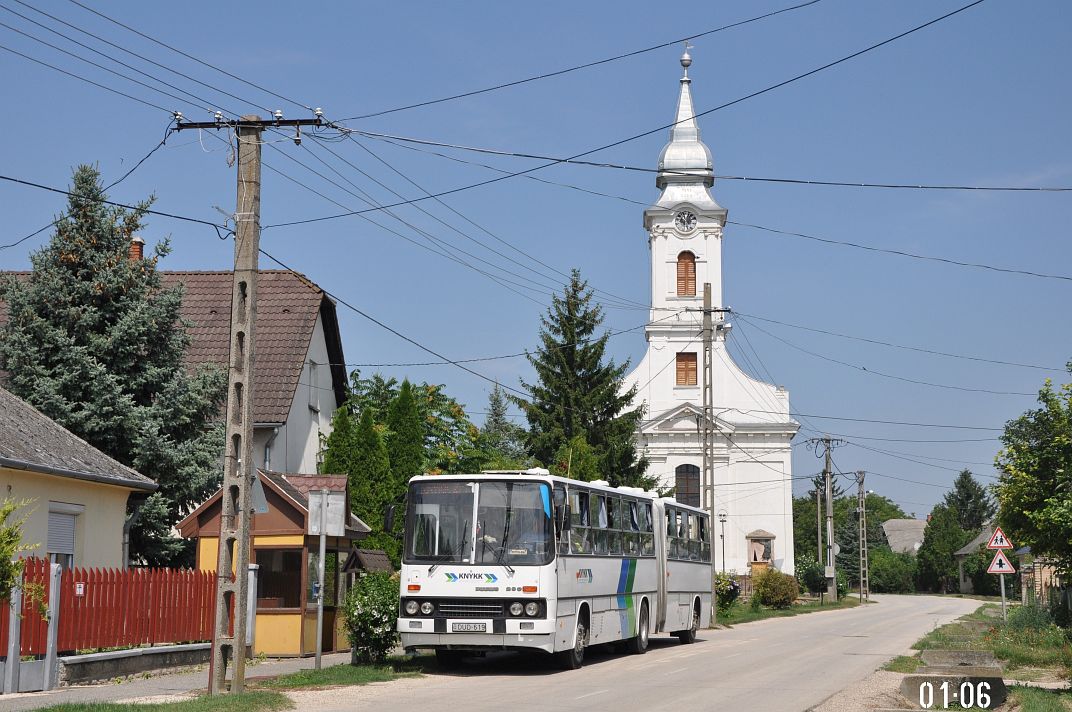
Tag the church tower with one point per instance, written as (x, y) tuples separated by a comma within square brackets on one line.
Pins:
[(752, 456)]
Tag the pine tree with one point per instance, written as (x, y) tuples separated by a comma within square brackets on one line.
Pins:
[(405, 439), (973, 504), (95, 343), (579, 393), (501, 442), (340, 444), (372, 486)]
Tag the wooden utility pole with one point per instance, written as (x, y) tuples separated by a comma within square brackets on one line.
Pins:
[(232, 562)]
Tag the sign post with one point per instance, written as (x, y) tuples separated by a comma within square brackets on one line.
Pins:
[(1000, 565)]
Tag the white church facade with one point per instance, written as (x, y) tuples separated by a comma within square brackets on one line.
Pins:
[(752, 461)]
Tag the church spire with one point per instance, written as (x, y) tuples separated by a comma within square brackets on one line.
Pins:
[(685, 159)]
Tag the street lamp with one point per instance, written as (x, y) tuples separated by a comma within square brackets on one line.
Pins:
[(722, 520)]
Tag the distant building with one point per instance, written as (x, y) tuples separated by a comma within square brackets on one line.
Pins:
[(76, 495), (972, 547), (904, 536), (752, 459)]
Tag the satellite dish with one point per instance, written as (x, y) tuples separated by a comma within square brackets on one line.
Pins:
[(837, 549)]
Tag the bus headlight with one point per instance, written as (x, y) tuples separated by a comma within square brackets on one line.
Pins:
[(427, 608), (532, 609), (516, 609), (412, 607)]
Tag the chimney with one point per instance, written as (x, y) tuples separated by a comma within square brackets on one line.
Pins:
[(137, 248)]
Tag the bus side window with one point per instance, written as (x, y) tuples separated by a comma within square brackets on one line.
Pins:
[(563, 536), (671, 533), (647, 536), (599, 503), (614, 525), (694, 537), (580, 536), (631, 525), (705, 540)]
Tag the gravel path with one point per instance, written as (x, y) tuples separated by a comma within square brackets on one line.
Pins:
[(878, 690)]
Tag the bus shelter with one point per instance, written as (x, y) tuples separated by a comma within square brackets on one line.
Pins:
[(285, 546)]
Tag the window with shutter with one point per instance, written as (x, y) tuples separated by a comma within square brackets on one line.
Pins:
[(686, 275), (61, 533), (686, 369)]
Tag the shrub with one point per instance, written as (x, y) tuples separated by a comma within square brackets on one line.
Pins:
[(371, 611), (842, 584), (810, 574), (726, 590), (775, 589), (1029, 618), (891, 572)]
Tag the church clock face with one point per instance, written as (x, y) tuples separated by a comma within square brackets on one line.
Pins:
[(685, 221)]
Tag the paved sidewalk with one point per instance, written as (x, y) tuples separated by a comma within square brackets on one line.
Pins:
[(166, 684)]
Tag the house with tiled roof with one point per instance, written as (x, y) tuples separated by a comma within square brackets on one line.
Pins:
[(299, 372), (75, 496)]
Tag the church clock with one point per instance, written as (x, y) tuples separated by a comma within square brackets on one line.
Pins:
[(685, 221)]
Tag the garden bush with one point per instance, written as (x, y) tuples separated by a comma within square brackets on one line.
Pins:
[(891, 572), (726, 590), (1029, 618), (775, 589), (810, 574), (371, 611)]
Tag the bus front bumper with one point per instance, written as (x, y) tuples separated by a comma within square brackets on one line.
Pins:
[(498, 635)]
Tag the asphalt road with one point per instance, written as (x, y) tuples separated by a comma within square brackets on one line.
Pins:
[(781, 664)]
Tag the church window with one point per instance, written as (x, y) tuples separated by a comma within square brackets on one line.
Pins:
[(686, 368), (687, 484), (686, 274)]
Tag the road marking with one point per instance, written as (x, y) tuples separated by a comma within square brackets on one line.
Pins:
[(597, 692)]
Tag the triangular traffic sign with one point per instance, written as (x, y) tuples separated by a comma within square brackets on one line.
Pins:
[(998, 540), (1000, 565)]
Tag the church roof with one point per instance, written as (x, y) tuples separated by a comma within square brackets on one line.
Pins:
[(685, 157)]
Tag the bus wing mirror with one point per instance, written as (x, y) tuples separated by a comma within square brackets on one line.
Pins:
[(389, 518)]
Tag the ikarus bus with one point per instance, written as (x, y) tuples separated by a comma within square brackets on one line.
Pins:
[(529, 561)]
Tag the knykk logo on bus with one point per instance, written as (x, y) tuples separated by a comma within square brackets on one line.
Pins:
[(454, 578)]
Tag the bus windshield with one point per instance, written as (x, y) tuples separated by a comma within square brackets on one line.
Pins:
[(485, 522)]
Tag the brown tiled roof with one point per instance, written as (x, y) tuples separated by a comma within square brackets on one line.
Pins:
[(287, 307), (30, 440)]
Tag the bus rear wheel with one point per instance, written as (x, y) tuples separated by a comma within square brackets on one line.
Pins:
[(573, 658), (689, 635), (639, 644)]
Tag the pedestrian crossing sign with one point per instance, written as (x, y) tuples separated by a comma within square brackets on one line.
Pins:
[(1000, 565), (998, 540)]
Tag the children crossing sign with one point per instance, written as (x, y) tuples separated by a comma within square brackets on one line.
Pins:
[(999, 541), (1000, 565)]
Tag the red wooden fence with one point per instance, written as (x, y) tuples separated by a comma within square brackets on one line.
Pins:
[(117, 608)]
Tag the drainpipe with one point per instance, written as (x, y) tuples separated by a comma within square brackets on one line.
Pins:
[(268, 448)]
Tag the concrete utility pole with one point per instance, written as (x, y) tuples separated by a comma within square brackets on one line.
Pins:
[(861, 509), (320, 577), (828, 443), (708, 424), (232, 563), (819, 523)]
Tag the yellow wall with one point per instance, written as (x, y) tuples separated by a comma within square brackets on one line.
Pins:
[(208, 547), (98, 529), (278, 634)]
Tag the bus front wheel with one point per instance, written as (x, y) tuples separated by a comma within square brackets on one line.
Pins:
[(573, 658)]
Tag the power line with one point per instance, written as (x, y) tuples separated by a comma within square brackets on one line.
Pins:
[(897, 346), (221, 230), (903, 253), (392, 138), (645, 133), (587, 65), (881, 373), (105, 189)]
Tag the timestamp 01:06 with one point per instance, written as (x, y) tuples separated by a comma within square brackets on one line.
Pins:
[(966, 696)]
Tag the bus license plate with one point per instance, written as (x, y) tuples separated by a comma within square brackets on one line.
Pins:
[(469, 627)]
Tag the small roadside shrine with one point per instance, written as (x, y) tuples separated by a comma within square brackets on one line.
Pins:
[(285, 533)]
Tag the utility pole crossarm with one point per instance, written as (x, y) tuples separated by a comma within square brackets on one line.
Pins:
[(245, 122)]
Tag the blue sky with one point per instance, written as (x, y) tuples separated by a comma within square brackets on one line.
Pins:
[(979, 99)]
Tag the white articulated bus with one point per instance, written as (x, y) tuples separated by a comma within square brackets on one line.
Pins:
[(529, 561)]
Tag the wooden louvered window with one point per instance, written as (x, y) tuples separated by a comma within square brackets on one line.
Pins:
[(687, 484), (686, 275), (686, 369)]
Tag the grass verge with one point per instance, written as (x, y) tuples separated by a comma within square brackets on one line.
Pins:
[(1034, 699), (258, 701), (346, 675), (739, 613), (903, 663)]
